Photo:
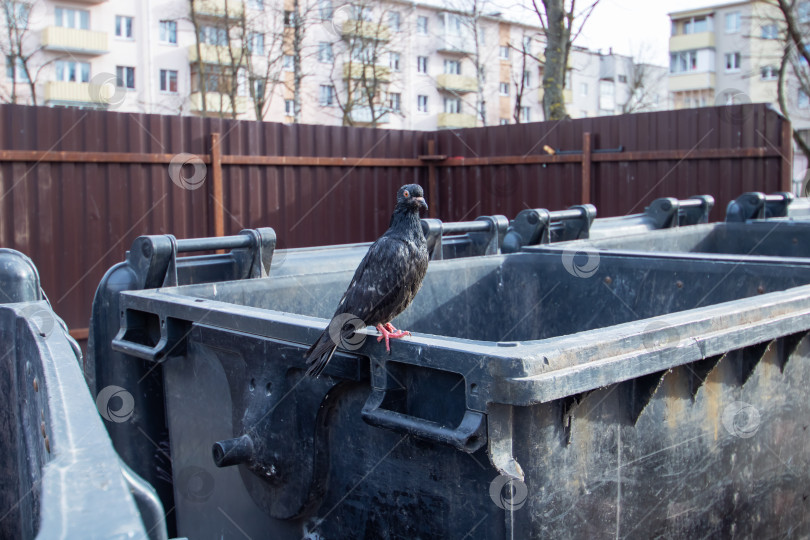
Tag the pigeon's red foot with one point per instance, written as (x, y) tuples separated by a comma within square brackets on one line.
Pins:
[(389, 332)]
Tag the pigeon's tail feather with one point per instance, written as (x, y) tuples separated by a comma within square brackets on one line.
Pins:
[(319, 354)]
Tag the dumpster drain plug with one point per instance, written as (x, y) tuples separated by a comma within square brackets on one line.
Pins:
[(233, 451)]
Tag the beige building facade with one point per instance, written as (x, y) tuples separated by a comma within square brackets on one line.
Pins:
[(431, 66), (730, 53)]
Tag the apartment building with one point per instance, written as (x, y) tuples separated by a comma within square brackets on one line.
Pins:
[(402, 65), (727, 52), (730, 53)]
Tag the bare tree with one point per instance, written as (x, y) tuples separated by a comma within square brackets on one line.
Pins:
[(469, 15), (562, 24), (522, 80), (222, 46), (643, 83), (795, 60), (21, 48), (365, 74), (264, 35)]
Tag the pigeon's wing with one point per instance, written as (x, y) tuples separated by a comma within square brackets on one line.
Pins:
[(378, 281)]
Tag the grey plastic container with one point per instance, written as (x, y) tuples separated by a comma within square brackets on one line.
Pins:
[(59, 474), (639, 396)]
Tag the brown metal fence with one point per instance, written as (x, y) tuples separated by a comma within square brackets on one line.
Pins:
[(77, 187)]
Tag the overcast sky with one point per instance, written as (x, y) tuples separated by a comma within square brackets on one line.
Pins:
[(635, 27)]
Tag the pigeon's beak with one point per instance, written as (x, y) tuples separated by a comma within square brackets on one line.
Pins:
[(421, 202)]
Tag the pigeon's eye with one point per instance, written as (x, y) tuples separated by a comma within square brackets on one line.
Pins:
[(406, 193)]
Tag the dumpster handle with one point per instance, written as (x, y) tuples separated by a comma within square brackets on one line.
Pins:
[(138, 350), (469, 436)]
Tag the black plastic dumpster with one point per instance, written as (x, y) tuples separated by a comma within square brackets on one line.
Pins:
[(155, 262), (539, 396), (59, 474)]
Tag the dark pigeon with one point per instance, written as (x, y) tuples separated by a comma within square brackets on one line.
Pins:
[(384, 283)]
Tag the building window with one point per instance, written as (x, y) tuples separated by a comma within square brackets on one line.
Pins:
[(527, 44), (289, 18), (361, 13), (421, 64), (168, 32), (168, 81), (325, 53), (769, 73), (804, 100), (504, 121), (256, 4), (72, 18), (696, 25), (503, 89), (527, 78), (422, 25), (289, 107), (125, 77), (770, 31), (733, 61), (452, 105), (324, 11), (256, 43), (287, 62), (452, 24), (395, 101), (525, 114), (393, 61), (682, 62), (583, 89), (732, 22), (259, 88), (623, 79), (71, 71), (452, 67), (395, 21), (503, 52), (123, 27), (212, 35), (422, 104), (327, 95), (20, 74)]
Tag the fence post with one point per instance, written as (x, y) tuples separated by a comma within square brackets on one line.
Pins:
[(786, 171), (433, 188), (217, 206), (586, 168)]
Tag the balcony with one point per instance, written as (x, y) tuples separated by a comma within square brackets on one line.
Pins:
[(456, 83), (456, 120), (690, 42), (362, 115), (691, 81), (455, 44), (211, 54), (220, 103), (216, 8), (366, 29), (73, 40), (367, 71), (76, 93)]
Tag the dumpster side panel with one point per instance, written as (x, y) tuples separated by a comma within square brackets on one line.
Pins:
[(374, 483), (706, 456), (19, 502)]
